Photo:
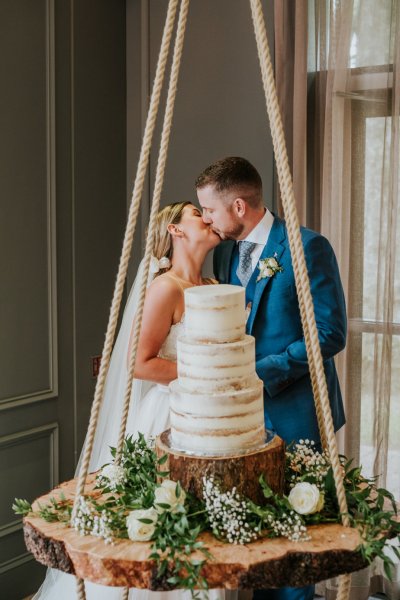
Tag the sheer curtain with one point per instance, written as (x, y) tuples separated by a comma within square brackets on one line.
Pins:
[(353, 198)]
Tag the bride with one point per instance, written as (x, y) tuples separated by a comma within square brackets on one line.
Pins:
[(182, 243)]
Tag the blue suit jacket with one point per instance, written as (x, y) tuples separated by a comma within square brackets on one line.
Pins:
[(274, 321)]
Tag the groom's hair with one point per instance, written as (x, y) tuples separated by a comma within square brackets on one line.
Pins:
[(233, 173)]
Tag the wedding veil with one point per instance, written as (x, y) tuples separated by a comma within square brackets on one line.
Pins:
[(108, 425), (59, 584)]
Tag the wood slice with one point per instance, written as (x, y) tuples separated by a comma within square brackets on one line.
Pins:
[(241, 471), (262, 564)]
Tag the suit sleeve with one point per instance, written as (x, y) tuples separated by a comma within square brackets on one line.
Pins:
[(278, 371)]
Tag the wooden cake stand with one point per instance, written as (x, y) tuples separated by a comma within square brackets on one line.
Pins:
[(261, 564), (242, 471)]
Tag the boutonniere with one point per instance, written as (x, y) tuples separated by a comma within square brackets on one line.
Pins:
[(268, 267)]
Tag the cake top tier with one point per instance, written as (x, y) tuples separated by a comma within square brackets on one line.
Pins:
[(214, 295), (215, 313)]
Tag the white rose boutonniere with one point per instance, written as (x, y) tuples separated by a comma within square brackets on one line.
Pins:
[(141, 524), (169, 493), (306, 498), (268, 267)]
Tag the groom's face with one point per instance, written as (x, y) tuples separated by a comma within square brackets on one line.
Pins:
[(219, 212)]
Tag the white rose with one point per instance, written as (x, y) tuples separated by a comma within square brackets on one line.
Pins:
[(138, 531), (166, 494), (306, 498)]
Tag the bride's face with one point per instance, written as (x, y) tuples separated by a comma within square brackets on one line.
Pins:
[(195, 230)]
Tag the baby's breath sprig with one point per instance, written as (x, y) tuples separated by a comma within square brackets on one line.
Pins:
[(92, 518), (304, 462), (227, 513)]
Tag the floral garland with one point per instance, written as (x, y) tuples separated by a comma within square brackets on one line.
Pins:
[(139, 502)]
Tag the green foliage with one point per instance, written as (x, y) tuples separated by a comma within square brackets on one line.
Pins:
[(373, 511), (174, 541), (21, 507), (142, 467), (57, 510)]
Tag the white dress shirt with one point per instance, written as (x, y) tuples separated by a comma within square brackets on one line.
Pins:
[(259, 235)]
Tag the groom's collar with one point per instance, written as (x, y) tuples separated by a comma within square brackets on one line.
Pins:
[(260, 233)]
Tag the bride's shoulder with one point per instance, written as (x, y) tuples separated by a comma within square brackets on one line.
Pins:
[(164, 284)]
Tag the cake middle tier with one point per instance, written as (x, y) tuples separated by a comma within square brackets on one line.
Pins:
[(219, 421), (216, 367)]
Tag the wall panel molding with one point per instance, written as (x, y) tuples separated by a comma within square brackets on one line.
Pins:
[(22, 437), (51, 391), (17, 561)]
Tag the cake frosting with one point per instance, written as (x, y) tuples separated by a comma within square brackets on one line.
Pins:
[(216, 404), (218, 315), (214, 366)]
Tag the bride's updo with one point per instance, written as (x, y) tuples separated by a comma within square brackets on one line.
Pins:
[(169, 215)]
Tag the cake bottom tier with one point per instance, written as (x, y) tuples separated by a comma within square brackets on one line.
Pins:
[(241, 470)]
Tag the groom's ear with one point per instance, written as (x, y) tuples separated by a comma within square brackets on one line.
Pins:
[(239, 207), (174, 230)]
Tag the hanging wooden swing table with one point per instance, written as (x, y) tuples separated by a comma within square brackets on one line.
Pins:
[(333, 549), (260, 565)]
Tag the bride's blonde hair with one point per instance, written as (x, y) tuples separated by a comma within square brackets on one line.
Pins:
[(169, 215)]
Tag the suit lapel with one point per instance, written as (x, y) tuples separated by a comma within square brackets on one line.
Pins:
[(226, 259), (273, 248)]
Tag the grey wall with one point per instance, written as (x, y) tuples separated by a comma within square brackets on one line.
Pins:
[(75, 83), (63, 209), (220, 107)]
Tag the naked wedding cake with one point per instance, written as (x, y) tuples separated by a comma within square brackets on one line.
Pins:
[(216, 404)]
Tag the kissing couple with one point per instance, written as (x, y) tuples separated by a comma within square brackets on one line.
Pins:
[(251, 250)]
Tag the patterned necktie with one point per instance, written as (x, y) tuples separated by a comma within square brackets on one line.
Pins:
[(244, 269)]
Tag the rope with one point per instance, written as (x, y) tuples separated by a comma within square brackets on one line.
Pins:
[(126, 252), (80, 588), (284, 175), (314, 355), (344, 587), (300, 270), (162, 159), (125, 594)]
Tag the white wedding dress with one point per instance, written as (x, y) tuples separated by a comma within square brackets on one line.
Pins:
[(149, 414)]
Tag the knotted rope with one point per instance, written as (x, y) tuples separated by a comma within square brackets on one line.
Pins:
[(125, 255), (314, 355)]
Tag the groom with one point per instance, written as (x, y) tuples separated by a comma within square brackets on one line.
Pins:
[(230, 195)]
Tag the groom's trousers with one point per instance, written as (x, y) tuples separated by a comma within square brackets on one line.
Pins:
[(303, 593)]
